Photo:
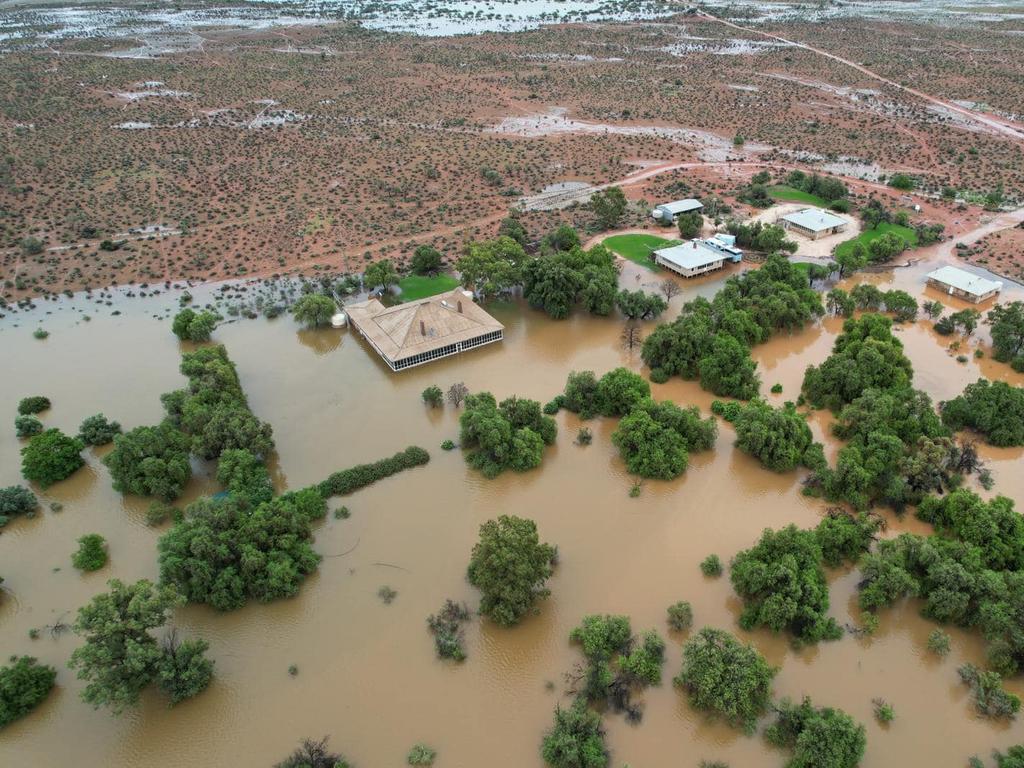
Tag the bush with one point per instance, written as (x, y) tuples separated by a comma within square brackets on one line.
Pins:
[(351, 480), (618, 392), (939, 642), (680, 616), (993, 408), (189, 325), (711, 566), (426, 260), (223, 554), (783, 585), (421, 754), (446, 626), (511, 435), (183, 669), (34, 404), (91, 554), (447, 445), (16, 500), (819, 738), (27, 426), (23, 686), (98, 430), (433, 396), (990, 698), (245, 477), (884, 711), (314, 310), (509, 565), (723, 676), (576, 740), (150, 461), (777, 437), (313, 754), (50, 457)]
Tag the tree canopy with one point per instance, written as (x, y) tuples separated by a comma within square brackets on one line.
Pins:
[(150, 461), (510, 565), (24, 684), (189, 325), (655, 439), (608, 207), (1007, 321), (98, 430), (557, 282), (511, 435), (993, 408), (491, 267), (381, 274), (778, 437), (818, 738), (51, 456), (576, 740), (314, 310)]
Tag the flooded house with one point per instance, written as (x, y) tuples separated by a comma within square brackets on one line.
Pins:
[(963, 284), (698, 257), (418, 332)]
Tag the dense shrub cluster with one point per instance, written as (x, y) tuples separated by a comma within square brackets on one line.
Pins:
[(16, 500), (223, 553), (91, 554), (818, 738), (712, 340), (655, 439), (32, 405), (990, 698), (576, 740), (27, 426), (50, 457), (245, 477), (511, 435), (23, 685), (189, 325), (993, 408), (778, 437), (446, 627), (352, 479), (98, 430), (1007, 321), (556, 283), (150, 461)]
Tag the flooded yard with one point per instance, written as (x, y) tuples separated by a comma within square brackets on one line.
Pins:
[(367, 674)]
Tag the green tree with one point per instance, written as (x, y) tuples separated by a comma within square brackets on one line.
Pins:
[(608, 207), (690, 224), (120, 657), (492, 267), (50, 457), (150, 461), (637, 305), (576, 740), (728, 369), (91, 554), (223, 553), (245, 476), (778, 437), (433, 396), (98, 430), (24, 684), (27, 426), (902, 304), (511, 226), (190, 325), (619, 391), (1007, 321), (819, 738), (183, 669), (16, 500), (509, 436), (314, 310), (783, 585), (381, 274), (649, 449), (32, 405), (993, 408), (839, 302), (313, 754), (723, 676), (509, 565), (426, 260)]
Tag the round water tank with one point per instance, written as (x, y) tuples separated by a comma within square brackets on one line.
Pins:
[(339, 320)]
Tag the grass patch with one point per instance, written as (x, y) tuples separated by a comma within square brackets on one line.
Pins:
[(869, 235), (794, 195), (419, 287), (638, 248)]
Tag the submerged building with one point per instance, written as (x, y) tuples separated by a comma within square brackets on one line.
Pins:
[(813, 223), (966, 285), (699, 257), (418, 332)]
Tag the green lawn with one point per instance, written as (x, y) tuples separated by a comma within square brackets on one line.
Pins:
[(868, 235), (638, 248), (794, 195), (419, 287)]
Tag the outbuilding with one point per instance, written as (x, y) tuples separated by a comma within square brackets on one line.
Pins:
[(813, 223), (420, 331), (666, 213), (963, 284), (698, 257)]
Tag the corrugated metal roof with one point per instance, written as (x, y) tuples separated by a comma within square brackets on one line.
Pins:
[(682, 206), (691, 255), (962, 280), (814, 219)]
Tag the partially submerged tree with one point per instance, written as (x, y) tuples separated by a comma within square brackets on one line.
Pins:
[(818, 738), (50, 457), (314, 310), (24, 684)]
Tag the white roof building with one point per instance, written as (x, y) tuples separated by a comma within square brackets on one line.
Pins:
[(966, 285), (696, 257), (668, 211), (814, 221)]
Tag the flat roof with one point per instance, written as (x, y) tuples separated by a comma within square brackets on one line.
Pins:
[(961, 279), (397, 332), (814, 219), (682, 206), (691, 255)]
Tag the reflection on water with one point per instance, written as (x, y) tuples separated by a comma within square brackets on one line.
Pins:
[(367, 671)]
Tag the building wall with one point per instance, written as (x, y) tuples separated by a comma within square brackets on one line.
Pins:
[(689, 272), (967, 296)]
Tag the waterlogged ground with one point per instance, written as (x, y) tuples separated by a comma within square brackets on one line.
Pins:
[(367, 673)]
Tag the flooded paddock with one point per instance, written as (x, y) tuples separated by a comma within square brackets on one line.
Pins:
[(367, 671)]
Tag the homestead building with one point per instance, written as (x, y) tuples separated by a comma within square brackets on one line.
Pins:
[(813, 223), (418, 332), (698, 257), (963, 284)]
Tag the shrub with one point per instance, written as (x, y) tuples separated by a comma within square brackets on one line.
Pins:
[(98, 430), (939, 642), (351, 480), (27, 426), (777, 437), (819, 738), (23, 685), (421, 754), (447, 445), (446, 626), (245, 477), (993, 408), (16, 500), (576, 740), (34, 404), (189, 325), (884, 711), (584, 436), (433, 396), (680, 616), (511, 435), (426, 260), (50, 457), (150, 461), (711, 566), (314, 310), (509, 565), (723, 676), (990, 698), (313, 754), (183, 669), (91, 554)]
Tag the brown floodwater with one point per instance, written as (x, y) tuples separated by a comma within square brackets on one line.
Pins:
[(367, 672)]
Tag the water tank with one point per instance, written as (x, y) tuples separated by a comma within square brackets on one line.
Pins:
[(339, 320)]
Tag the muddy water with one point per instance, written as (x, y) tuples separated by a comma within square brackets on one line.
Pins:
[(367, 671)]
